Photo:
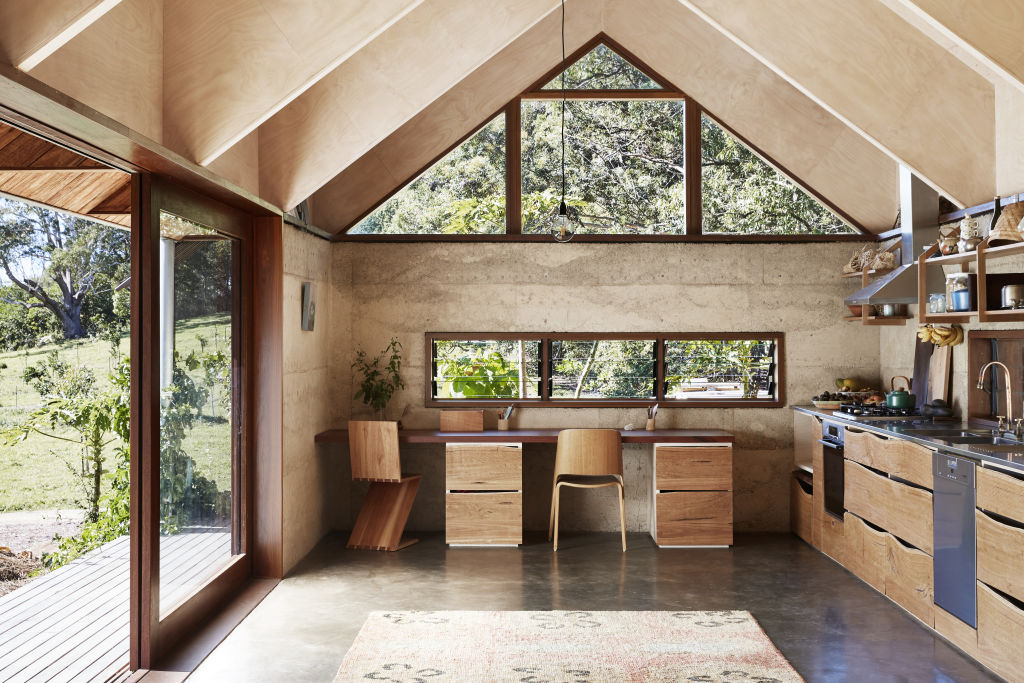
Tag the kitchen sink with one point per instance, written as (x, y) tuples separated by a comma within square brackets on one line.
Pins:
[(982, 440)]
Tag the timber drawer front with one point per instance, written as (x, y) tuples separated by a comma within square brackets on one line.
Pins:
[(484, 518), (903, 510), (692, 495), (865, 551), (897, 457), (483, 467), (1000, 555), (484, 499), (909, 579), (1000, 623), (1000, 493)]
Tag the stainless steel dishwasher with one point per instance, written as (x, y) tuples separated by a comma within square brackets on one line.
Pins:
[(954, 536)]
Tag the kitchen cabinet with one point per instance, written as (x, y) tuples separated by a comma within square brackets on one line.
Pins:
[(904, 511), (1000, 554), (1000, 493), (827, 532), (484, 493), (865, 551), (801, 516), (898, 458), (1000, 623), (909, 579), (692, 495)]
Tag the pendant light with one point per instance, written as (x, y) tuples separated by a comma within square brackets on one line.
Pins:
[(561, 225)]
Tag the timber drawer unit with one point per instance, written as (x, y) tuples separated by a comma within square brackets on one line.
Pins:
[(1000, 533), (484, 493), (692, 495)]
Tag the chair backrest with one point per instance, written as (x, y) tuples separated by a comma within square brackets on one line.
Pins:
[(373, 447), (589, 452)]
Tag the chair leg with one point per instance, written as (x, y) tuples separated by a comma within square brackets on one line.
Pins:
[(622, 515), (551, 516), (558, 491)]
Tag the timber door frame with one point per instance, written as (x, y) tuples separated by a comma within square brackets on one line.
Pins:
[(153, 636)]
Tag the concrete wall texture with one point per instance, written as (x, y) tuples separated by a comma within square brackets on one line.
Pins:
[(379, 290)]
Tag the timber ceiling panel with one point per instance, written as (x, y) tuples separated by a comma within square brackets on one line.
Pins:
[(880, 75), (37, 170), (31, 30)]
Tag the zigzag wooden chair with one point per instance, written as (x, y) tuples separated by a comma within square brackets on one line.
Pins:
[(373, 448)]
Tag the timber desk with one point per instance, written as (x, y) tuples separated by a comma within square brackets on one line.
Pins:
[(691, 475)]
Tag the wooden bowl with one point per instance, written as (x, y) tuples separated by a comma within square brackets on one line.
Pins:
[(855, 310)]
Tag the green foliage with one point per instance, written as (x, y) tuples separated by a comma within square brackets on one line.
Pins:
[(113, 514), (381, 376), (602, 69), (186, 496), (481, 375), (740, 360), (62, 265), (603, 369), (71, 400)]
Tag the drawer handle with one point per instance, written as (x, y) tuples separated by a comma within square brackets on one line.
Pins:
[(996, 518)]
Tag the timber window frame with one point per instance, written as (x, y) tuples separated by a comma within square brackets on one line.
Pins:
[(693, 219), (775, 370)]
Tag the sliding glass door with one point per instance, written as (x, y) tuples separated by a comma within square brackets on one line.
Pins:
[(194, 459)]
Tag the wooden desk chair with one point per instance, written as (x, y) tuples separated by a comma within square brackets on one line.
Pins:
[(373, 447), (587, 459)]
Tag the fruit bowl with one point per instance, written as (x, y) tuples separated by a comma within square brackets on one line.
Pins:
[(827, 405)]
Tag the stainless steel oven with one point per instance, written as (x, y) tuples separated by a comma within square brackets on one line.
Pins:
[(832, 461)]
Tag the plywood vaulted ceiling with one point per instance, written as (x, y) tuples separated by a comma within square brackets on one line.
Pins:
[(342, 101)]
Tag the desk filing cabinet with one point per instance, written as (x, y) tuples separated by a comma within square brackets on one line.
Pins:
[(692, 503), (483, 493)]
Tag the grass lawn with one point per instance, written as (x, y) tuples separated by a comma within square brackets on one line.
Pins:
[(39, 472)]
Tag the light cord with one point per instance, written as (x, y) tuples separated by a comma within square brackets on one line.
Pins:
[(563, 101)]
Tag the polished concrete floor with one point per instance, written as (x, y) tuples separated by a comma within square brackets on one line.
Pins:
[(829, 624)]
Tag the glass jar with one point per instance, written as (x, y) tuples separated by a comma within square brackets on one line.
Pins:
[(936, 303), (958, 292)]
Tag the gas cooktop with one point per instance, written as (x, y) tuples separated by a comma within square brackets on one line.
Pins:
[(862, 411)]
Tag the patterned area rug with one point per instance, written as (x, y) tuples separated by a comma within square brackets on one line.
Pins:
[(564, 647)]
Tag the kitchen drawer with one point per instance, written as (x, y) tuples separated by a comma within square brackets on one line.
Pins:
[(483, 467), (866, 549), (902, 510), (1000, 555), (1000, 493), (484, 518), (897, 457), (909, 579), (693, 468), (800, 515), (693, 518), (1000, 623), (956, 631)]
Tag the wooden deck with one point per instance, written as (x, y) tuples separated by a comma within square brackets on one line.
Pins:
[(72, 624)]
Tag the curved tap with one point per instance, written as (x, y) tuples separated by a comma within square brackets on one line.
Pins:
[(1016, 426)]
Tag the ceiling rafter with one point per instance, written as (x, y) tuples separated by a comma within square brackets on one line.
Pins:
[(881, 77), (381, 87), (32, 31), (278, 49)]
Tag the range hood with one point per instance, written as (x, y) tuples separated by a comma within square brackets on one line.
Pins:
[(919, 206)]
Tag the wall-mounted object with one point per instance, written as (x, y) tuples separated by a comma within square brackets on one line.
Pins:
[(308, 306)]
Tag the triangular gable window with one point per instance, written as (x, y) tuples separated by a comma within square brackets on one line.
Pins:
[(603, 69)]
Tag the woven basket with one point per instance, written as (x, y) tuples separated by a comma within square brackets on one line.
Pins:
[(1006, 230)]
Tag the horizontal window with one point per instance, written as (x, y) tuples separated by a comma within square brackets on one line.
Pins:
[(605, 370)]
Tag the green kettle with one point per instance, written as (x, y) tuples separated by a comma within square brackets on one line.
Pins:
[(900, 399)]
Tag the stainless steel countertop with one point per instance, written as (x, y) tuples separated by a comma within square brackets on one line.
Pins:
[(1012, 461)]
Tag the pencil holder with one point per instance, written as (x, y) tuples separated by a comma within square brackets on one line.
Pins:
[(502, 425), (650, 424)]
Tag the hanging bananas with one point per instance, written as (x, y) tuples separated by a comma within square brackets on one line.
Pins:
[(941, 336)]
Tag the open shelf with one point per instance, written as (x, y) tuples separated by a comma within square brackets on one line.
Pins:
[(870, 273), (866, 316), (887, 319), (953, 259)]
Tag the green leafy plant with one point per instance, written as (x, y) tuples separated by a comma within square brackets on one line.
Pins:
[(482, 375), (381, 376)]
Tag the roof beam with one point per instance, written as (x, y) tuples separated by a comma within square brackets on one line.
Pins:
[(985, 35), (812, 144), (278, 50), (32, 31), (415, 144), (381, 87), (883, 78)]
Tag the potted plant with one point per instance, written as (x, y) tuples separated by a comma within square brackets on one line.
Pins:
[(381, 376)]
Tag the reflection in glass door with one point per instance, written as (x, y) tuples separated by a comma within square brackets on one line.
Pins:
[(199, 406)]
